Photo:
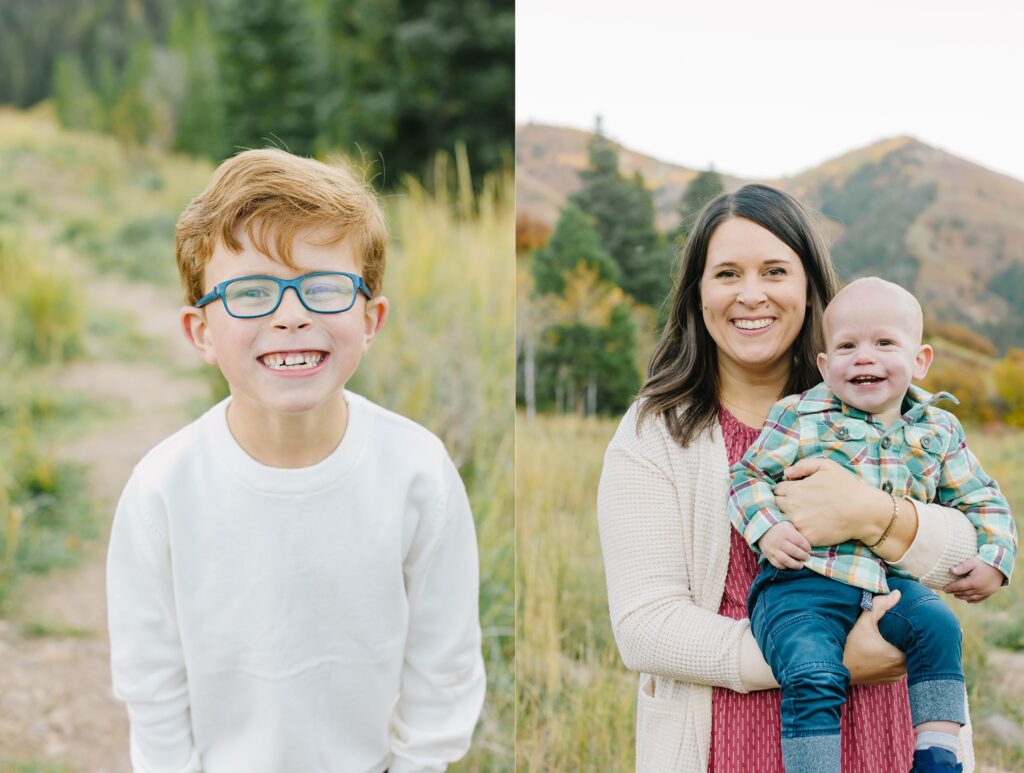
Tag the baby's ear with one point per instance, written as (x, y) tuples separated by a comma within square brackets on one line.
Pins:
[(923, 361), (197, 333), (823, 366)]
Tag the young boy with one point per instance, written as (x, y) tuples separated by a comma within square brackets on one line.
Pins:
[(292, 578), (868, 417)]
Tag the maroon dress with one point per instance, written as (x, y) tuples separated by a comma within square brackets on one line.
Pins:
[(877, 734)]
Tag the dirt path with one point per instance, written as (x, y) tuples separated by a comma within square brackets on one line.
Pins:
[(56, 707)]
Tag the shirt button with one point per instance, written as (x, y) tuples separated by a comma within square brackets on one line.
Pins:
[(842, 433), (926, 441), (886, 442), (887, 487)]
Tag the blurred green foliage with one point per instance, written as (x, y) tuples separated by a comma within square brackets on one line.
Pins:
[(387, 81)]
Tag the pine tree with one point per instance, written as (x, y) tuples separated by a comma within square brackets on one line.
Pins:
[(73, 99), (622, 212), (573, 241), (269, 75), (702, 189), (200, 120), (358, 101), (455, 73)]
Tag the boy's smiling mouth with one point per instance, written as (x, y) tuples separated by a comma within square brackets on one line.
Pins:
[(304, 360)]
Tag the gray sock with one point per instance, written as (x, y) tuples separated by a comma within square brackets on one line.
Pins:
[(811, 754), (931, 738)]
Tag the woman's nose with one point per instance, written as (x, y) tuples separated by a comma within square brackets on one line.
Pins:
[(751, 293)]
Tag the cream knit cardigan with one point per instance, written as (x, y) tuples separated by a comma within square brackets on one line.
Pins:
[(665, 539)]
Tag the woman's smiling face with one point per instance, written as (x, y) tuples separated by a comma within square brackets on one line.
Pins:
[(753, 296)]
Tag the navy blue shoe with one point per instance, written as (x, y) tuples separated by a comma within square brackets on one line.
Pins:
[(935, 759)]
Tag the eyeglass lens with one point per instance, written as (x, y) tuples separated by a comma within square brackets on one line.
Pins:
[(255, 296)]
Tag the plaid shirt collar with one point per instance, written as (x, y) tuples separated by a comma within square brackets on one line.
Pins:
[(820, 399)]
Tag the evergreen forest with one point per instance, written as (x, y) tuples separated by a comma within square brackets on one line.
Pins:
[(387, 83)]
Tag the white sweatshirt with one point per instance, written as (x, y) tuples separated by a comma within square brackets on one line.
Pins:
[(321, 619)]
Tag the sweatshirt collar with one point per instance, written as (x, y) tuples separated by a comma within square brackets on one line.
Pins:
[(334, 466)]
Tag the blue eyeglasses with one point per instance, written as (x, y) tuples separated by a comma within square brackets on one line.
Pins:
[(323, 292)]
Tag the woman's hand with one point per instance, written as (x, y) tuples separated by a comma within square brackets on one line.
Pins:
[(829, 505), (869, 658)]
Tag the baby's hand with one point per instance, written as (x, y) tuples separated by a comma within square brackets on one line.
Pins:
[(977, 581), (784, 546)]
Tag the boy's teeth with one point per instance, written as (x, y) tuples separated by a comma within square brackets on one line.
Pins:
[(292, 360)]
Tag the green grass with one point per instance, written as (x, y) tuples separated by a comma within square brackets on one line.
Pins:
[(43, 629), (7, 766)]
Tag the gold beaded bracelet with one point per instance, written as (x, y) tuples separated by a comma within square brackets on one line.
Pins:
[(892, 521)]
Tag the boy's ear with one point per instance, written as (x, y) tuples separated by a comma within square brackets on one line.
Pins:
[(373, 319), (823, 367), (197, 333), (923, 361)]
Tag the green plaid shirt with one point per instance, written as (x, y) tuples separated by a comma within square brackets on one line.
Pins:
[(922, 455)]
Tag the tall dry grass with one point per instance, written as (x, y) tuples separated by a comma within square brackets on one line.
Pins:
[(575, 701), (446, 359), (575, 708)]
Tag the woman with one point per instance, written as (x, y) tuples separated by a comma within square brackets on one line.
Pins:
[(744, 330)]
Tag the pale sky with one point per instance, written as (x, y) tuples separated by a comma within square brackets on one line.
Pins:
[(767, 88)]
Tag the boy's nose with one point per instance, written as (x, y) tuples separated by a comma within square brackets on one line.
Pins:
[(290, 313)]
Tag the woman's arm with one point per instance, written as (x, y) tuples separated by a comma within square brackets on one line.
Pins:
[(926, 540), (645, 533)]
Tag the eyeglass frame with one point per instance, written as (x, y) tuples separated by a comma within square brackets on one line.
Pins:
[(282, 285)]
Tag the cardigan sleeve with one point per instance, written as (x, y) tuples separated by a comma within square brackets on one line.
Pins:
[(944, 539), (658, 626)]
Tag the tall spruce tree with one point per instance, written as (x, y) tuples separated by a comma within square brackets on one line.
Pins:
[(573, 241), (269, 75), (455, 74), (200, 120), (702, 189), (622, 211), (358, 101)]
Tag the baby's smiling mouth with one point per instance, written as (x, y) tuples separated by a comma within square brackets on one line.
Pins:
[(292, 360), (866, 379)]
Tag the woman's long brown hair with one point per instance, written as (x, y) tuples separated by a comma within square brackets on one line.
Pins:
[(682, 377)]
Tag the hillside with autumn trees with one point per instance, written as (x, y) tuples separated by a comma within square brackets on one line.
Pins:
[(599, 228)]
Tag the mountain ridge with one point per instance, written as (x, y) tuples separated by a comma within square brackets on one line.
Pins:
[(948, 229)]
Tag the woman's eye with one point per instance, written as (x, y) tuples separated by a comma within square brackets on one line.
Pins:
[(776, 272), (725, 274)]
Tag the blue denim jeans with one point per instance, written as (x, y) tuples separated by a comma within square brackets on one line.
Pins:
[(801, 620)]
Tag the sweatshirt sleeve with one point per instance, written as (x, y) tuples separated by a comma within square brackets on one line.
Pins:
[(443, 680), (147, 663), (658, 626)]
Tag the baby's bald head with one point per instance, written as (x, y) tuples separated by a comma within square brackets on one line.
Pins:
[(881, 300)]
